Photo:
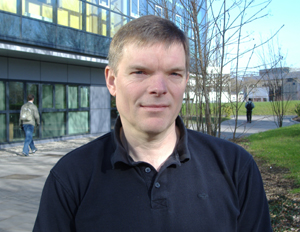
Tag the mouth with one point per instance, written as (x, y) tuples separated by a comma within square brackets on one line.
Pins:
[(155, 107)]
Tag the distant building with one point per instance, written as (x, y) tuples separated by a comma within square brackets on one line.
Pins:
[(259, 94), (281, 83)]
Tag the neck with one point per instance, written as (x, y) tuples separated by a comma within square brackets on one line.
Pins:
[(154, 150)]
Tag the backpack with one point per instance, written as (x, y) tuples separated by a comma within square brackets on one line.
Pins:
[(249, 106), (26, 114)]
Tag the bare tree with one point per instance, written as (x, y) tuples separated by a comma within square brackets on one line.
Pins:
[(274, 76), (217, 39)]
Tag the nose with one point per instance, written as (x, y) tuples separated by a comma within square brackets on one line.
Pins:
[(158, 85)]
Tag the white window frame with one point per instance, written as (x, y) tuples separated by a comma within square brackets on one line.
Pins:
[(158, 8), (138, 9)]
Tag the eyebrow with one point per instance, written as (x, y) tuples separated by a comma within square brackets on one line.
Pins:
[(141, 67)]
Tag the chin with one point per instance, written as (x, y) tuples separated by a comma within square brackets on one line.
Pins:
[(155, 127)]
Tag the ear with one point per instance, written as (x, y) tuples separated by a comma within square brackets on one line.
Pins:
[(110, 79), (187, 78)]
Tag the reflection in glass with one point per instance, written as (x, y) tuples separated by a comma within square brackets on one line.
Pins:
[(38, 9), (53, 124), (2, 95), (60, 96), (120, 6), (117, 21), (69, 13), (16, 95), (15, 133), (2, 128), (47, 101), (134, 8), (9, 6), (96, 20), (78, 122), (84, 91), (73, 97), (100, 2), (33, 89)]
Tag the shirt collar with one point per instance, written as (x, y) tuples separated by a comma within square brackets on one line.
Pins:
[(181, 153)]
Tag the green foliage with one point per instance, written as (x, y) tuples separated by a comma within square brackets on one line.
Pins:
[(279, 147), (282, 212), (297, 109), (226, 111)]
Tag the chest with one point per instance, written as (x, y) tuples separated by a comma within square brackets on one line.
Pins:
[(183, 198)]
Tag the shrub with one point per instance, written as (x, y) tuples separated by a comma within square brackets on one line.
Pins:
[(297, 109), (226, 110)]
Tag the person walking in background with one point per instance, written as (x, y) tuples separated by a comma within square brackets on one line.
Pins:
[(249, 106), (28, 116)]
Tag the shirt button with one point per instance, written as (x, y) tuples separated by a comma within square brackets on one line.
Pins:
[(147, 170), (157, 185)]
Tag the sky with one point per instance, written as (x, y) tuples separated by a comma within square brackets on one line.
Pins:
[(282, 13), (279, 13)]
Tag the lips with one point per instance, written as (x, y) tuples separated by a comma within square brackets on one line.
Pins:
[(155, 107)]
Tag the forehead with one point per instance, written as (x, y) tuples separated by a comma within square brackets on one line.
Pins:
[(133, 49), (160, 52)]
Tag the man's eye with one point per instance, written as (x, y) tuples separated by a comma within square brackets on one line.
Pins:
[(175, 74), (139, 72)]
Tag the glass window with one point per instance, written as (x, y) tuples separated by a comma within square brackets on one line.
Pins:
[(16, 95), (2, 128), (73, 97), (38, 9), (60, 96), (117, 21), (100, 2), (96, 20), (9, 6), (84, 96), (47, 101), (53, 124), (15, 133), (78, 122), (135, 8), (34, 89), (2, 95), (69, 13), (120, 6)]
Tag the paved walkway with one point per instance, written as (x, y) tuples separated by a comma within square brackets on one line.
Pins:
[(22, 178)]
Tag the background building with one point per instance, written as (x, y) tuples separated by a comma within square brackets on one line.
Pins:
[(56, 50)]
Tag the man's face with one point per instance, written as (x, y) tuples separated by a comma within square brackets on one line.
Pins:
[(149, 86)]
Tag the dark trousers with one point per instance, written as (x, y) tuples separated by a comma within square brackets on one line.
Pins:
[(28, 129), (249, 116)]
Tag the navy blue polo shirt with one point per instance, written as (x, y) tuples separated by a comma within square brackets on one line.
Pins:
[(207, 184)]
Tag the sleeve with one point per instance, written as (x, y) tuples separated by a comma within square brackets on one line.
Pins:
[(246, 105), (57, 208), (37, 116), (253, 105), (254, 210)]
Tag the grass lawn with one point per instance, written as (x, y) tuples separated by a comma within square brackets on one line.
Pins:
[(280, 147), (265, 108), (261, 108)]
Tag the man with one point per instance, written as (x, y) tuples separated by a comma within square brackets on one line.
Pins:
[(151, 173), (249, 106), (28, 116)]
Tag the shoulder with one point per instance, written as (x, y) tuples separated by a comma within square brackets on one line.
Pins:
[(223, 153), (95, 154)]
